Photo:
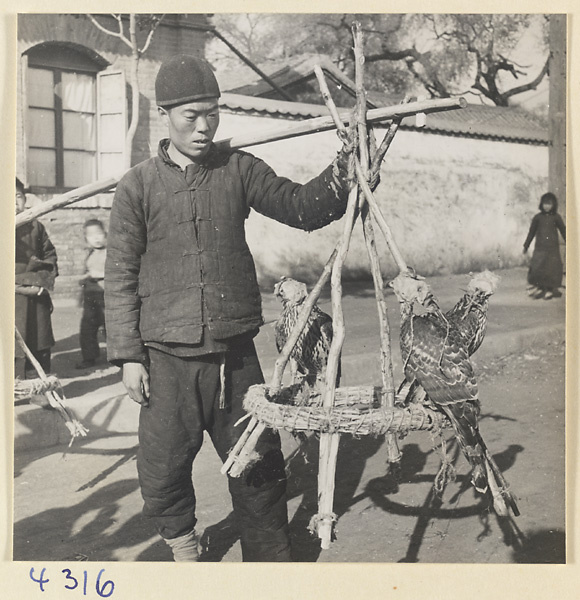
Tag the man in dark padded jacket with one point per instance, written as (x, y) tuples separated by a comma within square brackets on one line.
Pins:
[(183, 305)]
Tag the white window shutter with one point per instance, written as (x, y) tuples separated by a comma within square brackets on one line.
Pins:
[(112, 122)]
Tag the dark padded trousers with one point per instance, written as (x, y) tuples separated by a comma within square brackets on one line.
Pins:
[(184, 401), (93, 318)]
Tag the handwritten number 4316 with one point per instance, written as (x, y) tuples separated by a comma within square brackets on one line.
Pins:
[(104, 590)]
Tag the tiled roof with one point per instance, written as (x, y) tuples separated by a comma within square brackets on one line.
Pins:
[(493, 122), (478, 121), (283, 72), (244, 93)]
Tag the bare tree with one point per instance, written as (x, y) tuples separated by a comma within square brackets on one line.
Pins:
[(149, 24), (488, 39), (444, 55)]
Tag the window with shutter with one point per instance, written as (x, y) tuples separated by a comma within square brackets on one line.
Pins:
[(76, 118)]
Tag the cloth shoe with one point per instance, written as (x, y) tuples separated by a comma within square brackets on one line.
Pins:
[(185, 548), (531, 289), (548, 295), (538, 294)]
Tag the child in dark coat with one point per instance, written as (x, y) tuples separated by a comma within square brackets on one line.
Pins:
[(93, 292), (545, 273), (36, 270)]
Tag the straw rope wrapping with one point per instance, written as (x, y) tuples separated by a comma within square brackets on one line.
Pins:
[(357, 411), (26, 388), (55, 397)]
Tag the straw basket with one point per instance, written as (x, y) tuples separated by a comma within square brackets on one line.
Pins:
[(359, 411)]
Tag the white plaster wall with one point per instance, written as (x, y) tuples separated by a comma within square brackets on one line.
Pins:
[(454, 204)]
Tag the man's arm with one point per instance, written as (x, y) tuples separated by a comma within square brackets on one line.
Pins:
[(126, 243), (306, 206)]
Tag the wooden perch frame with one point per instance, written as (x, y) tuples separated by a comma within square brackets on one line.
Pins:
[(366, 167), (307, 127)]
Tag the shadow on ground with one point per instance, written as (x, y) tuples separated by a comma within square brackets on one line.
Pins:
[(542, 546), (83, 529)]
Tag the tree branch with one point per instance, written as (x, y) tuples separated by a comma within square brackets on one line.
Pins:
[(118, 34), (101, 27), (150, 35), (121, 30), (393, 55), (532, 85)]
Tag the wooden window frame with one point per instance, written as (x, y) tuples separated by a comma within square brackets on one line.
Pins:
[(58, 111)]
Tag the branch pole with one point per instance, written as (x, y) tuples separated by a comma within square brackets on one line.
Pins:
[(329, 441), (393, 453), (73, 425), (383, 225), (85, 191), (318, 124), (386, 363), (387, 377), (384, 146)]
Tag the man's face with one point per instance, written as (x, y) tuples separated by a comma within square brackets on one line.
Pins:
[(20, 201), (192, 126)]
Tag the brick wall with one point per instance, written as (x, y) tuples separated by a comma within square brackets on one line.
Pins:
[(65, 229)]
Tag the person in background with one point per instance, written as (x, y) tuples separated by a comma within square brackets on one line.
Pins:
[(93, 292), (36, 270), (183, 305), (545, 272)]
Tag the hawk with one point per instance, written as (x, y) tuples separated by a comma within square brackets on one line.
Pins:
[(469, 317), (435, 354), (310, 354)]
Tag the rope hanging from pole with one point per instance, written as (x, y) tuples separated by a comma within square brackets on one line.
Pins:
[(53, 393)]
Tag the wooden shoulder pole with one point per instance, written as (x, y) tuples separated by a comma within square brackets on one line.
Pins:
[(252, 139)]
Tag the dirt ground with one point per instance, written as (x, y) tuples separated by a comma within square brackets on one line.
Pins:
[(87, 507), (86, 504)]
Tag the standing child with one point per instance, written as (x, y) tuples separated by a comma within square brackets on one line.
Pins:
[(93, 292), (545, 273), (36, 270)]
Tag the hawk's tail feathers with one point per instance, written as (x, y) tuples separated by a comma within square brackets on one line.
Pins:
[(498, 485), (485, 475), (500, 488)]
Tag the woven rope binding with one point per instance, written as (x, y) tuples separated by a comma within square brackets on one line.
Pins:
[(26, 388), (357, 410)]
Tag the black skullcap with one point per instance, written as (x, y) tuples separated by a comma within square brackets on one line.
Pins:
[(183, 78)]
